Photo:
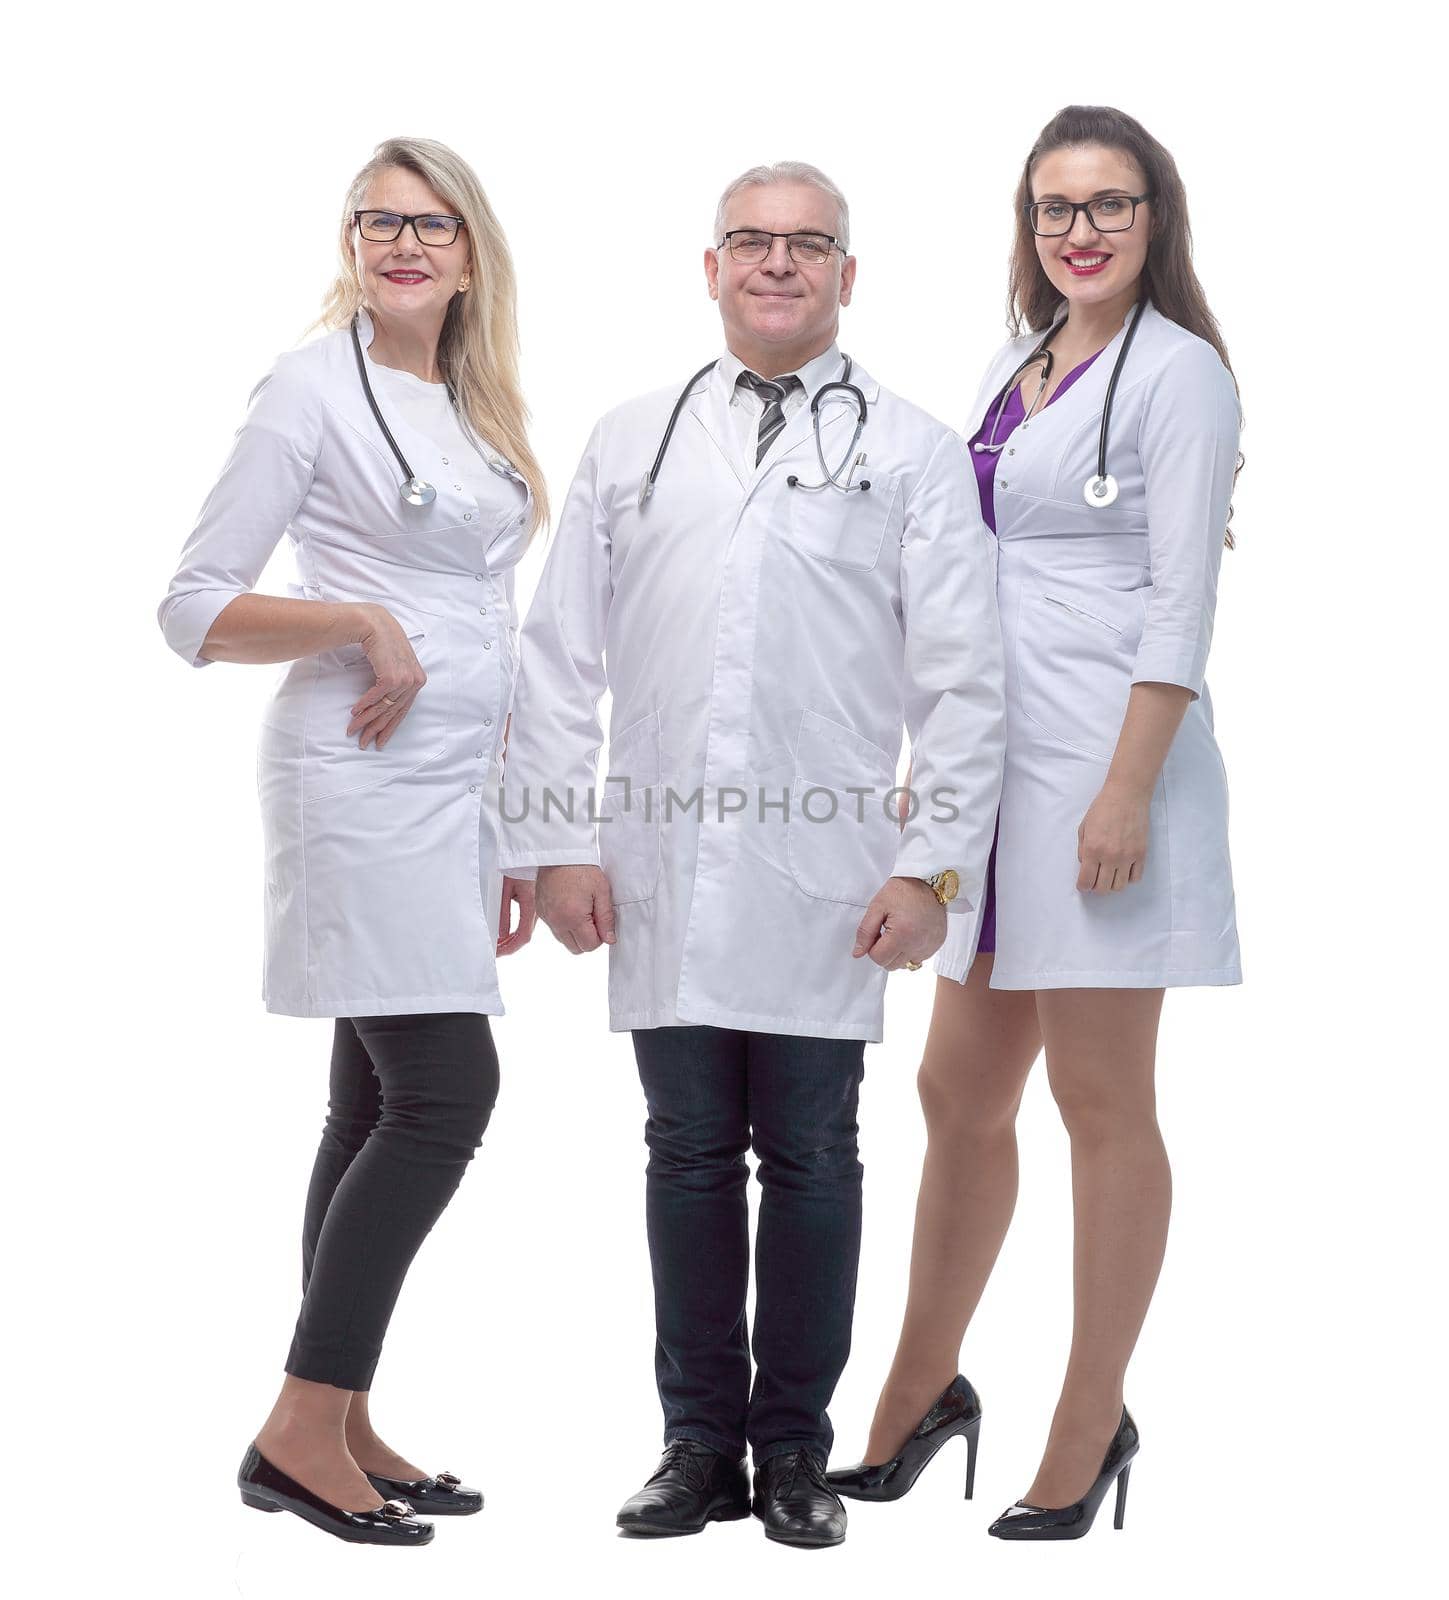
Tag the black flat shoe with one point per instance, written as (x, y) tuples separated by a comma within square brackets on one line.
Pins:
[(692, 1485), (956, 1411), (268, 1488), (795, 1502), (444, 1496), (1023, 1521)]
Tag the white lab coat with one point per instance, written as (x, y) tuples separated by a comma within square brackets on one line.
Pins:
[(1093, 601), (770, 641), (382, 884)]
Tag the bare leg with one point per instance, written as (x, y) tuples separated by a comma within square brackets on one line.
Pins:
[(1101, 1046), (306, 1437), (979, 1050), (368, 1451)]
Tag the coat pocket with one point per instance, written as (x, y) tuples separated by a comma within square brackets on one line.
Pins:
[(840, 838), (847, 530), (629, 842), (334, 763), (1074, 658)]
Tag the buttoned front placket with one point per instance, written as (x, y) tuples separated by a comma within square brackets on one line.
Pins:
[(486, 597)]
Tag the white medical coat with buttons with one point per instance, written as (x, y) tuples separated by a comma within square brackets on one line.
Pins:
[(382, 885), (764, 647), (1092, 601)]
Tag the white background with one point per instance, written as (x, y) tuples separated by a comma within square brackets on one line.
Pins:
[(175, 183)]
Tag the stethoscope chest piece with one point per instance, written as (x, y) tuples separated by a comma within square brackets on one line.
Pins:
[(418, 493), (1100, 491)]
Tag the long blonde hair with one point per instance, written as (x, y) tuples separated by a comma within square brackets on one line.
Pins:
[(478, 347)]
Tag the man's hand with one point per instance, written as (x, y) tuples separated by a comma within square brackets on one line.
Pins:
[(905, 922), (576, 904)]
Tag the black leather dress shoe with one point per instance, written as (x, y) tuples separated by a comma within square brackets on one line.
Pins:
[(957, 1410), (268, 1488), (692, 1485), (795, 1502), (444, 1496)]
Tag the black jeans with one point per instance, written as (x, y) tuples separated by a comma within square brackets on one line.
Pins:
[(408, 1100), (712, 1094)]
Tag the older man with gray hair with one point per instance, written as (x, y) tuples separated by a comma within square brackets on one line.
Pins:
[(775, 572)]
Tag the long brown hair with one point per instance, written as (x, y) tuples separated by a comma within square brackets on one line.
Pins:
[(478, 345), (1167, 274)]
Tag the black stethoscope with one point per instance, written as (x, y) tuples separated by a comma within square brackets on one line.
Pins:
[(832, 479), (1101, 488), (415, 490)]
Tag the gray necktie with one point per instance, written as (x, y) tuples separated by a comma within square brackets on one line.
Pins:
[(772, 419)]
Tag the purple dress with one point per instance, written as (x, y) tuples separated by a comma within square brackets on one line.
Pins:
[(984, 462)]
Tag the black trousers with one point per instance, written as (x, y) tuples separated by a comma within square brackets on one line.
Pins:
[(712, 1094), (408, 1100)]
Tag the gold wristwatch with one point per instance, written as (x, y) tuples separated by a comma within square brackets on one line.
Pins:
[(944, 885)]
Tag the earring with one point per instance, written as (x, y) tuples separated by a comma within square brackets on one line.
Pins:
[(464, 281)]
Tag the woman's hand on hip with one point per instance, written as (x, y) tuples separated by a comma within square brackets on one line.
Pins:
[(1112, 839), (398, 675)]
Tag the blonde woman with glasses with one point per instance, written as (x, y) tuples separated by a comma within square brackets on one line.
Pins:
[(393, 455)]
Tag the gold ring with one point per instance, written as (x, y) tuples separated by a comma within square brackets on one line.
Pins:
[(913, 966)]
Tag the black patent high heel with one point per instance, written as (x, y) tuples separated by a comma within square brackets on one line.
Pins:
[(957, 1410), (1023, 1521)]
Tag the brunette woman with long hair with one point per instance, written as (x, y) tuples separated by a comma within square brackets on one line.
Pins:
[(1110, 878)]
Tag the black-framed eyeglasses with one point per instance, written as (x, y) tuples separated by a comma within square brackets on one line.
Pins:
[(754, 244), (382, 227), (1107, 213)]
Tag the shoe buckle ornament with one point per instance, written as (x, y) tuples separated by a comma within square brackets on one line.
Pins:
[(396, 1510), (447, 1480)]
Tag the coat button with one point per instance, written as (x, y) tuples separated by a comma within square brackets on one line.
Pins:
[(445, 461), (478, 576), (472, 788), (477, 755), (1011, 451), (487, 644), (1004, 484), (467, 516), (482, 611), (488, 722), (457, 485)]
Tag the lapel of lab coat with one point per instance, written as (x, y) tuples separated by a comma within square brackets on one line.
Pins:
[(710, 408)]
